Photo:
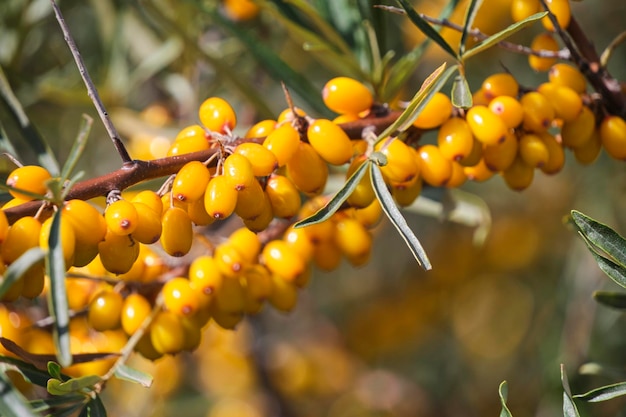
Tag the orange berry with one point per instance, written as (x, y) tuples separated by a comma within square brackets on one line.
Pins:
[(501, 84), (177, 234), (566, 102), (363, 194), (500, 156), (261, 129), (588, 152), (247, 243), (205, 278), (435, 112), (545, 42), (330, 141), (485, 125), (149, 226), (519, 175), (307, 170), (521, 9), (284, 294), (283, 143), (260, 222), (179, 297), (455, 139), (402, 166), (578, 132), (556, 158), (347, 95), (22, 235), (220, 198), (121, 217), (613, 136), (280, 258), (435, 169), (283, 196), (238, 171), (568, 76), (118, 253), (105, 310), (250, 202), (561, 10), (150, 199), (67, 239), (538, 112), (257, 285), (354, 241), (230, 261), (166, 333), (509, 109), (31, 178), (533, 151), (479, 172), (190, 181), (217, 115), (262, 160), (240, 10)]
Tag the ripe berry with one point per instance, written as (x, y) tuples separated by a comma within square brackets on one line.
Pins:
[(67, 239), (485, 125), (260, 222), (284, 197), (327, 255), (250, 202), (435, 113), (229, 304), (188, 145), (22, 235), (613, 136), (34, 281), (568, 76), (347, 95), (179, 297), (198, 214), (88, 224), (533, 150), (300, 242), (578, 132), (149, 226), (546, 42), (435, 169), (566, 102), (118, 253), (538, 112), (240, 10), (134, 311), (354, 241), (121, 217), (509, 109), (369, 216), (166, 333), (262, 160), (190, 182), (30, 178), (288, 116), (329, 141), (500, 156), (238, 171), (402, 166), (455, 139), (475, 154), (519, 175), (217, 115), (501, 84), (105, 310), (280, 258), (555, 150), (521, 9), (205, 278), (261, 129), (363, 194), (283, 143), (405, 195), (307, 170), (220, 198), (4, 226), (150, 199), (458, 176), (284, 294), (230, 261), (561, 10), (177, 234), (588, 152), (479, 172), (257, 285), (247, 243)]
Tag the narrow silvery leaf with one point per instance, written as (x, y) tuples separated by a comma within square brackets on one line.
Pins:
[(601, 236), (12, 402), (569, 408), (605, 393), (503, 391), (611, 299), (133, 375), (470, 15)]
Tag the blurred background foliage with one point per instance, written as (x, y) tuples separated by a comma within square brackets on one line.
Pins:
[(387, 339)]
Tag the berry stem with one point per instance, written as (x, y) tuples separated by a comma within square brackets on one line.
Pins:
[(91, 88)]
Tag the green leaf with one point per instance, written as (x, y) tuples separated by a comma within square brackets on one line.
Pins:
[(614, 271), (611, 299), (77, 148), (601, 236), (94, 408), (429, 87), (392, 211), (30, 372), (605, 393), (503, 391), (54, 369), (41, 405), (73, 385), (337, 200), (426, 28), (45, 156), (502, 35), (25, 192), (569, 408), (133, 375), (470, 15), (19, 267), (57, 296), (12, 402), (461, 94)]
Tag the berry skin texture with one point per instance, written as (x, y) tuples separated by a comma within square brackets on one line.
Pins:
[(238, 171), (105, 311), (166, 333), (568, 76), (121, 217), (179, 297), (30, 178), (177, 234), (217, 115), (435, 169), (22, 235), (485, 125), (67, 239), (283, 196), (280, 258), (508, 109), (330, 141), (220, 198), (533, 150), (566, 102), (613, 136), (283, 143), (134, 311), (307, 170), (402, 166), (578, 132), (435, 113), (190, 182), (347, 95), (88, 224), (501, 84), (118, 253), (562, 12), (262, 160), (521, 9), (538, 112), (543, 41), (455, 139)]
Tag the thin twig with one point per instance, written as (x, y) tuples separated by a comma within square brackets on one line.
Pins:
[(91, 88)]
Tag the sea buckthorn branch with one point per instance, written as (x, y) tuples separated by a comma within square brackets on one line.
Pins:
[(91, 88)]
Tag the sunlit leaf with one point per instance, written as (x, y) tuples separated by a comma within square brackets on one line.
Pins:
[(54, 369), (58, 387), (78, 148), (569, 408), (608, 51), (429, 87), (12, 402), (503, 391), (397, 219), (19, 267), (461, 94), (425, 27), (133, 375), (470, 15), (337, 200), (614, 271), (503, 34), (605, 393), (611, 299), (57, 296), (601, 236)]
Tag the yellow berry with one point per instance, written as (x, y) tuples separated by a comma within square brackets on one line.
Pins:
[(509, 109), (501, 84), (307, 170), (354, 241), (613, 136), (179, 297), (217, 115), (568, 76), (485, 125), (561, 10), (105, 310), (177, 234), (257, 285), (326, 255), (22, 235), (402, 166), (283, 143), (300, 242), (533, 151), (190, 182), (405, 195), (435, 112), (455, 139), (284, 294), (149, 226), (134, 311), (329, 141), (578, 132), (118, 253), (88, 223), (262, 160), (519, 175), (542, 42), (260, 222), (198, 214), (30, 178), (556, 159), (538, 112), (363, 194), (250, 201), (67, 239), (247, 243), (261, 129), (230, 261), (566, 102), (521, 9), (347, 95), (150, 199), (280, 258), (220, 198), (283, 195), (287, 115), (458, 176), (435, 169), (479, 172), (121, 217), (4, 226), (166, 333), (500, 156), (589, 152), (238, 171)]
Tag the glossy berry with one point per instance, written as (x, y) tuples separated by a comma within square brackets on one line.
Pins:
[(238, 171), (257, 286), (217, 115), (561, 10), (501, 84), (262, 221), (577, 132), (307, 170), (166, 333), (329, 141), (150, 199), (300, 242), (262, 160), (118, 253), (475, 154), (179, 297), (455, 139), (105, 310), (405, 195), (485, 125), (177, 234), (519, 175), (229, 260), (556, 159), (205, 278), (479, 172), (568, 76), (546, 42), (566, 102), (283, 195), (247, 243), (436, 170), (538, 112), (533, 151), (402, 166), (149, 225), (288, 116), (250, 202), (347, 95), (88, 223), (435, 113), (198, 214), (280, 258), (67, 239), (521, 9), (220, 198), (22, 235), (188, 144), (190, 182), (284, 296), (261, 129), (34, 281), (363, 193), (240, 10), (509, 109), (613, 136), (31, 178), (121, 217), (283, 143), (135, 309), (229, 304), (500, 156), (354, 241)]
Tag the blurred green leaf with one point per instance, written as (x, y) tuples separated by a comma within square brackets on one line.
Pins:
[(133, 375), (605, 393), (502, 35), (35, 196), (611, 299), (55, 402), (601, 237), (461, 94), (337, 200), (45, 156), (470, 15), (426, 28), (430, 86), (396, 217), (29, 371), (12, 402), (58, 387), (569, 408), (614, 271), (503, 391), (57, 296), (77, 148), (54, 369), (19, 267), (94, 408), (610, 48)]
